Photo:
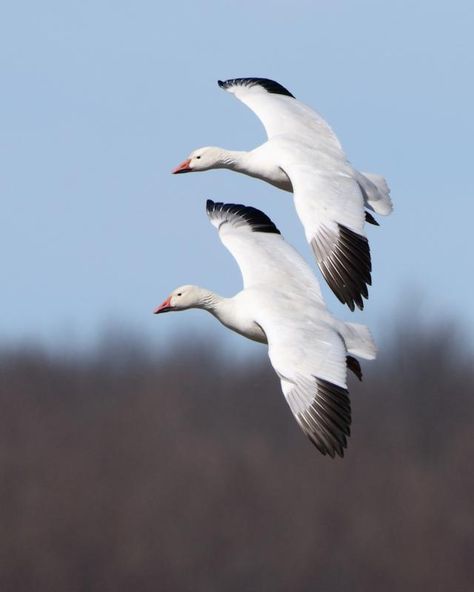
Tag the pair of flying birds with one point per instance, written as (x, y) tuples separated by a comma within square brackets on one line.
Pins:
[(281, 303)]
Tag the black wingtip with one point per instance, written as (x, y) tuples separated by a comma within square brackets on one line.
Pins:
[(257, 220), (327, 421), (347, 267), (270, 86)]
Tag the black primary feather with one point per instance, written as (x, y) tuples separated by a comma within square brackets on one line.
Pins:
[(347, 267), (257, 220), (269, 85), (327, 421), (354, 365), (370, 219)]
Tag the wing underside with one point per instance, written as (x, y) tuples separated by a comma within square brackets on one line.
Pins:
[(310, 358), (331, 207)]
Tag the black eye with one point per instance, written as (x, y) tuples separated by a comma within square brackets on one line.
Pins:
[(179, 294), (198, 157)]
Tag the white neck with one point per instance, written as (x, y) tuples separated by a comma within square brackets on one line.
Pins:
[(231, 315), (208, 300), (220, 307), (255, 164), (235, 160)]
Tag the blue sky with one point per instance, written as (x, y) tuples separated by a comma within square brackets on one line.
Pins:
[(101, 99)]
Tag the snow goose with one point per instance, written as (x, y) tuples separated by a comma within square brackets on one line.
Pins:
[(281, 304), (304, 156)]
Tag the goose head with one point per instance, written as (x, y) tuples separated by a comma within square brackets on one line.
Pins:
[(183, 298), (202, 159)]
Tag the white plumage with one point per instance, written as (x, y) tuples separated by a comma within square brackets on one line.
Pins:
[(303, 155), (281, 304)]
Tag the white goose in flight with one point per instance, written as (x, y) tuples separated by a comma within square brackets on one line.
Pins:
[(303, 155), (281, 304)]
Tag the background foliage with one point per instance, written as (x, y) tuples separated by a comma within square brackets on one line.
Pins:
[(128, 469)]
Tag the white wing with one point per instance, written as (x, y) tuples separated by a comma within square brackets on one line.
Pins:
[(328, 198), (262, 254), (307, 347), (280, 113), (309, 356), (330, 205)]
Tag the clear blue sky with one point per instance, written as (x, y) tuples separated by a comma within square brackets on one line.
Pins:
[(101, 99)]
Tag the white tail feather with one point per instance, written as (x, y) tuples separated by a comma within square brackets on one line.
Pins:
[(358, 340), (377, 192)]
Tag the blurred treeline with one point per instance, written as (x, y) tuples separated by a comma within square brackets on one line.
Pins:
[(132, 469)]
